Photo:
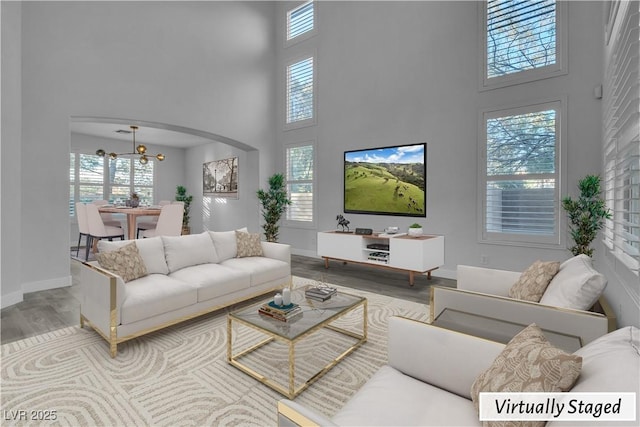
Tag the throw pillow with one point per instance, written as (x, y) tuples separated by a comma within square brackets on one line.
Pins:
[(534, 281), (528, 363), (126, 262), (577, 285), (248, 244)]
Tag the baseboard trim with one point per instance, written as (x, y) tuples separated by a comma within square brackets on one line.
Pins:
[(11, 299), (43, 285)]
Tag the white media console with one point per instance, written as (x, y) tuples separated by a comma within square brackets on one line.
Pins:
[(421, 254)]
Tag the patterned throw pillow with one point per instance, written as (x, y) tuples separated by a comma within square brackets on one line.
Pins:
[(126, 262), (534, 281), (248, 244), (528, 363)]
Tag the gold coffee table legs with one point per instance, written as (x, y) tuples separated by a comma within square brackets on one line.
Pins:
[(290, 390)]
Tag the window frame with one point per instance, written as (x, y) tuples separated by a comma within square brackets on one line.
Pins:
[(558, 239), (560, 67), (106, 184), (307, 34), (314, 102), (296, 223)]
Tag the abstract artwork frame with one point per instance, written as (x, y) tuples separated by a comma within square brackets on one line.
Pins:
[(220, 178)]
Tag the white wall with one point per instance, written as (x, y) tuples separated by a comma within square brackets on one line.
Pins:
[(403, 72), (10, 155), (202, 65)]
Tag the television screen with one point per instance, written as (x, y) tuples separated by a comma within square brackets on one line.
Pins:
[(386, 181)]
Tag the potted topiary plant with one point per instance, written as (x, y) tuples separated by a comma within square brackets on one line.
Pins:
[(182, 196), (274, 203), (415, 230), (586, 214)]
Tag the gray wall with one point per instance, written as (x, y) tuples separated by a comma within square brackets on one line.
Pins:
[(388, 73), (201, 65), (394, 73)]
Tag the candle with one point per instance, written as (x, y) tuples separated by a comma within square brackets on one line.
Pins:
[(277, 300), (286, 296)]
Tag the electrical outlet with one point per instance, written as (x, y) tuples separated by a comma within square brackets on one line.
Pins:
[(484, 259)]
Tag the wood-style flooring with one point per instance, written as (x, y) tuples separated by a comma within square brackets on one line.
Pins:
[(53, 309)]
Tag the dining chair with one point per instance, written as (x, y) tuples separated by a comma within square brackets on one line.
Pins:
[(169, 222), (149, 224), (97, 229), (83, 228), (107, 217)]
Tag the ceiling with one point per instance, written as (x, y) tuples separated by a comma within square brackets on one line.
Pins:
[(145, 135)]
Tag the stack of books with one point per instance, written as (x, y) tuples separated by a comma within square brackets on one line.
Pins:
[(320, 293), (284, 313)]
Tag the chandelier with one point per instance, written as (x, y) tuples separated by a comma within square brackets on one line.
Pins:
[(140, 150)]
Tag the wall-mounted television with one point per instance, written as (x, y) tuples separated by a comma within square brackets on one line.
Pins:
[(386, 180)]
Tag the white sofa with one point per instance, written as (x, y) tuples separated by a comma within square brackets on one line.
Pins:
[(430, 370), (187, 276), (567, 306)]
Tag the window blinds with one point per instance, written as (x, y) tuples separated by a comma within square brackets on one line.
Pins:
[(300, 183), (300, 20), (521, 35), (300, 91), (621, 134)]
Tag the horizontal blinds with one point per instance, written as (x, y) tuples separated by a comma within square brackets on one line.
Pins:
[(300, 20), (299, 166), (521, 35), (522, 144), (521, 206), (300, 90), (621, 132)]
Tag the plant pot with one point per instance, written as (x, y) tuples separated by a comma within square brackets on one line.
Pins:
[(415, 232), (186, 230)]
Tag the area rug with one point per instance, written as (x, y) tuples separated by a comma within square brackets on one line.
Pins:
[(178, 376)]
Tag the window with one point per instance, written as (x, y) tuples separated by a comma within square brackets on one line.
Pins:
[(520, 174), (92, 177), (300, 20), (300, 89), (300, 182), (523, 40), (621, 132)]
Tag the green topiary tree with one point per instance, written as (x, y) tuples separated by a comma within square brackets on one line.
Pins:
[(274, 203), (587, 214)]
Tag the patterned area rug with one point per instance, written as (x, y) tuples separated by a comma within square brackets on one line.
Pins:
[(179, 376)]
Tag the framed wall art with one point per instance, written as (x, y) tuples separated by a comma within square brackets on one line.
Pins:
[(220, 178)]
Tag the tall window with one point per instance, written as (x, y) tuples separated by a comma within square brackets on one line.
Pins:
[(300, 92), (523, 40), (520, 174), (300, 20), (93, 178), (300, 182), (621, 133)]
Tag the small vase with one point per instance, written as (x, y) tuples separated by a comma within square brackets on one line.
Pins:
[(415, 232), (134, 203)]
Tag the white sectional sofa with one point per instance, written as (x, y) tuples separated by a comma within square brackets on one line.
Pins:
[(187, 276), (430, 371), (571, 304)]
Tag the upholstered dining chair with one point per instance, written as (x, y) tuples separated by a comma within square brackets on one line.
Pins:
[(169, 222), (97, 229), (83, 228), (150, 224), (107, 217)]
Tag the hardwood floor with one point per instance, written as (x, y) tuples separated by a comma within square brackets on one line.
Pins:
[(53, 309)]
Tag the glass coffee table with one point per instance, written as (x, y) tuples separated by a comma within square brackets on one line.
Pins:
[(316, 317)]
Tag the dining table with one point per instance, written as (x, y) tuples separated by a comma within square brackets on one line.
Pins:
[(132, 214)]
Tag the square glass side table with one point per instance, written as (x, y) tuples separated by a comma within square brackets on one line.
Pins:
[(315, 316), (498, 330)]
